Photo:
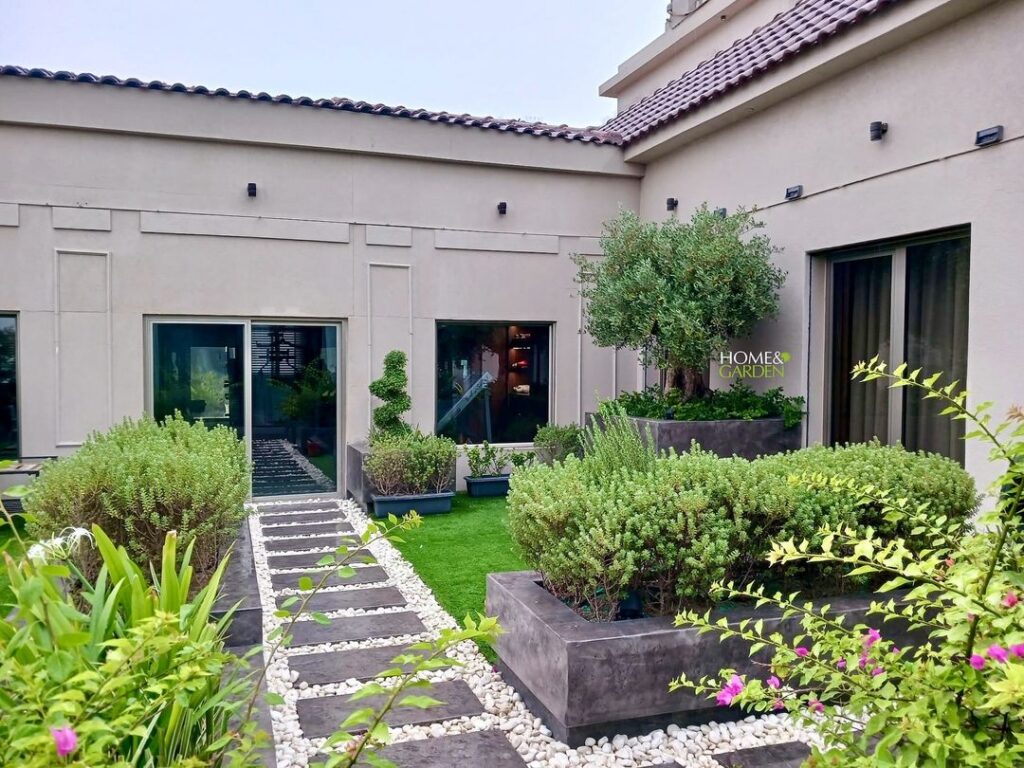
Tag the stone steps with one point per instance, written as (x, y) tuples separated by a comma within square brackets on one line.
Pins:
[(306, 529), (312, 559), (370, 574), (331, 540), (355, 599), (339, 666), (351, 629)]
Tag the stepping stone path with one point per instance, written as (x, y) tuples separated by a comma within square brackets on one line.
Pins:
[(383, 609)]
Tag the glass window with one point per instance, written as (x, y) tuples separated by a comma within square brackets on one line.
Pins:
[(8, 388), (493, 381), (197, 370)]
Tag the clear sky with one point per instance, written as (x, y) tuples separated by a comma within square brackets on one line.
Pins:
[(531, 59)]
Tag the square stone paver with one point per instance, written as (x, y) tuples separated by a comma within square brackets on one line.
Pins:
[(311, 559), (320, 717), (297, 506), (358, 599), (371, 574), (791, 754), (339, 666), (301, 517), (308, 529), (354, 628), (463, 750), (332, 540)]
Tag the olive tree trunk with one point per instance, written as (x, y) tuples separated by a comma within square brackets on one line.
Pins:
[(690, 381)]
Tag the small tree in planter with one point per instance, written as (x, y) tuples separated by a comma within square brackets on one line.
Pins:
[(678, 292), (487, 465)]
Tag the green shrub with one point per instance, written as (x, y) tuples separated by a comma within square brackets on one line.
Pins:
[(612, 442), (486, 460), (556, 442), (737, 402), (597, 530), (142, 479), (411, 464), (391, 388)]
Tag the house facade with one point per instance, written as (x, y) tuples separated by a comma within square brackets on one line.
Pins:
[(226, 254)]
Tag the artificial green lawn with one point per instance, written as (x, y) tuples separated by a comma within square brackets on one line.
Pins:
[(453, 554)]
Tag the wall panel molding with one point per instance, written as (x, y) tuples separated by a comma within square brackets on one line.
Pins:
[(396, 236), (506, 242), (9, 215), (94, 219), (156, 222)]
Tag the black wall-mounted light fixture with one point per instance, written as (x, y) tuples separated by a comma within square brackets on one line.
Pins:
[(671, 204), (988, 136), (251, 188), (878, 129), (793, 193), (502, 208), (721, 213)]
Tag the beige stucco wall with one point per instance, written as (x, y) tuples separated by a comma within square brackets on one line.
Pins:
[(113, 216), (935, 93)]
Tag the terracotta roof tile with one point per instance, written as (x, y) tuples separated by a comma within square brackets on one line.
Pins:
[(806, 24), (519, 127)]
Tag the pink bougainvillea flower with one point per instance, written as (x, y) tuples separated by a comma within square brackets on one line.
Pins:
[(730, 691), (1011, 599), (863, 661), (872, 637), (997, 653), (977, 661), (949, 562), (778, 704), (971, 617), (841, 664), (876, 671), (815, 706), (65, 740), (1017, 650), (800, 651), (774, 683)]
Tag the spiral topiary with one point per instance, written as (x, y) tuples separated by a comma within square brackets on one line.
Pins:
[(391, 388)]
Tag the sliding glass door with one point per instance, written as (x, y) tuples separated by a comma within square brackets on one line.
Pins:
[(904, 303), (275, 384)]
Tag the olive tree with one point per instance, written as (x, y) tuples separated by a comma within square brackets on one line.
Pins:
[(679, 291)]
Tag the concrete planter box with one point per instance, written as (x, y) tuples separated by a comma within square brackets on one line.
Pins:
[(487, 485), (356, 485), (589, 679), (424, 504), (239, 586), (727, 437)]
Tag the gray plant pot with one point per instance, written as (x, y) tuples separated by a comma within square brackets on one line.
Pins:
[(487, 485), (591, 679), (424, 504)]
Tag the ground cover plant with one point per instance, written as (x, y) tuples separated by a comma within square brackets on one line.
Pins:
[(140, 480), (626, 522), (737, 402), (454, 553), (955, 699)]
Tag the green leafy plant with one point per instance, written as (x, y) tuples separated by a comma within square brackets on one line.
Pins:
[(612, 443), (310, 395), (554, 442), (737, 402), (520, 459), (669, 527), (678, 292), (410, 464), (956, 698), (141, 479), (392, 389), (486, 460)]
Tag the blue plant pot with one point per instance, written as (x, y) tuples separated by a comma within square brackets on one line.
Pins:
[(487, 485), (424, 504)]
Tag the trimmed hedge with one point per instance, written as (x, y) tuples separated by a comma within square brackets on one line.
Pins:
[(669, 533), (142, 479)]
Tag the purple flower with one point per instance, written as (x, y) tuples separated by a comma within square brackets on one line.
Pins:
[(774, 682), (778, 704), (1011, 599), (730, 691), (977, 661), (65, 740), (872, 637), (876, 671), (815, 706), (1017, 650), (841, 664), (997, 653), (800, 651)]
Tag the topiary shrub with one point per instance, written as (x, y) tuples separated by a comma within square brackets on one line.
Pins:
[(391, 388), (410, 464), (142, 479), (668, 532)]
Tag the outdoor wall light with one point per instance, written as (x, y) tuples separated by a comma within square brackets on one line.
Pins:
[(252, 189), (672, 203), (988, 136), (502, 208), (878, 129), (792, 193), (721, 213)]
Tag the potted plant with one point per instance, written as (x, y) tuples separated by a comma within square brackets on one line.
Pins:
[(487, 464), (410, 472), (679, 293)]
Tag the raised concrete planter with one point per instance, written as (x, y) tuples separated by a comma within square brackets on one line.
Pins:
[(239, 586), (424, 504), (590, 679), (487, 485), (356, 485), (727, 437)]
